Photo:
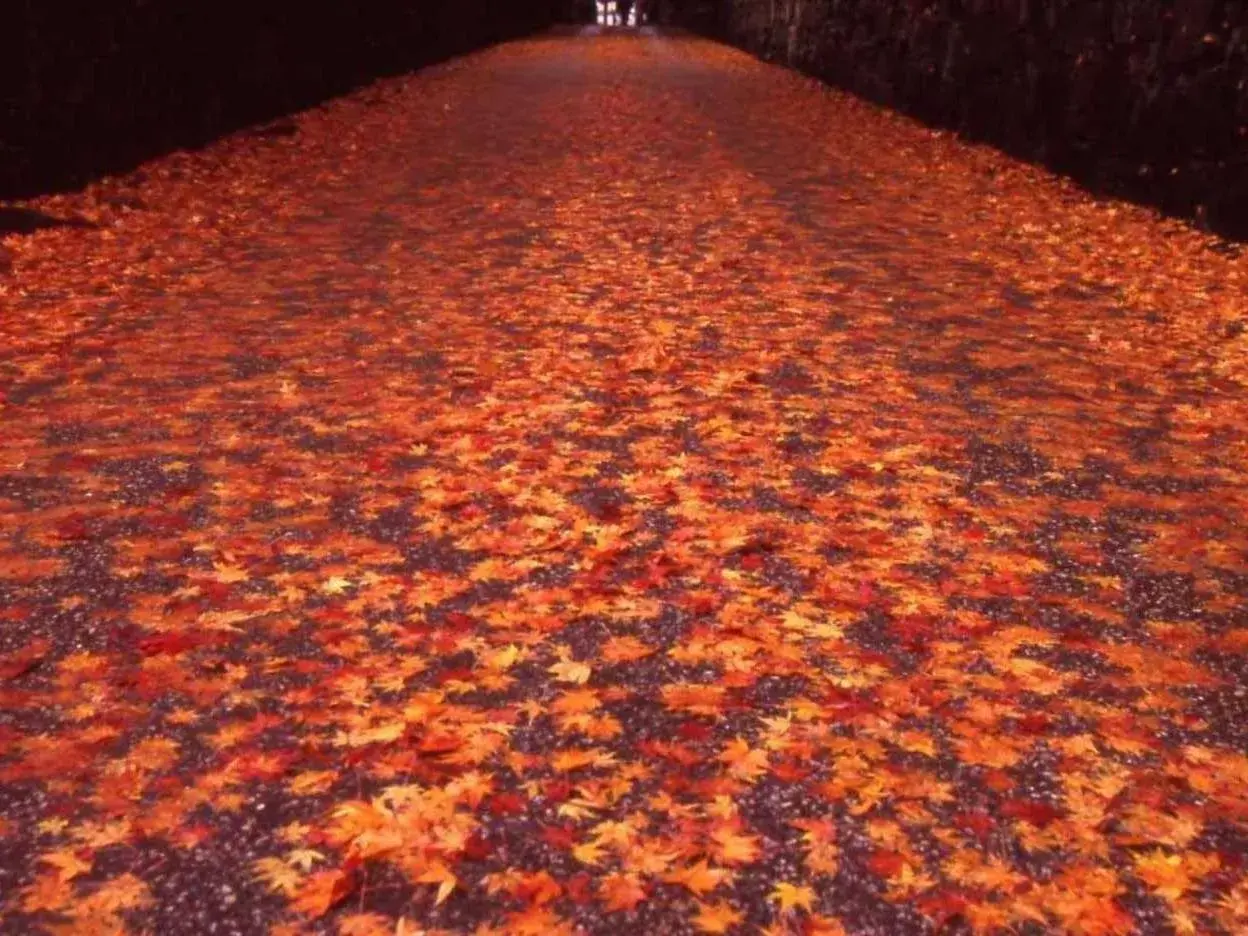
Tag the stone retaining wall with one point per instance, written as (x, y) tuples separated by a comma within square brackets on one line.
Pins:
[(1142, 98)]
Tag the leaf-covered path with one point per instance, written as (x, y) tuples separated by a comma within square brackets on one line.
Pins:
[(611, 485)]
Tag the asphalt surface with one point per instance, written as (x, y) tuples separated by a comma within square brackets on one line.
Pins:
[(607, 484)]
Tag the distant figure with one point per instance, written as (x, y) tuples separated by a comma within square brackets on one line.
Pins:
[(640, 10), (626, 7)]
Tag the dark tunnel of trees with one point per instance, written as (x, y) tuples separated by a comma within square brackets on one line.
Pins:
[(100, 87), (1146, 99)]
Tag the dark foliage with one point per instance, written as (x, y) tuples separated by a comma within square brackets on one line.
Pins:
[(103, 86), (1142, 98)]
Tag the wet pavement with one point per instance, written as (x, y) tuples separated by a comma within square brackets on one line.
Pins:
[(607, 484)]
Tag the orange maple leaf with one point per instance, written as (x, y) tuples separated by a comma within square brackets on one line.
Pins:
[(366, 924), (717, 918), (46, 892), (624, 650), (438, 873), (1170, 876), (68, 862), (695, 698), (576, 701), (537, 921), (312, 782), (744, 763), (23, 661), (987, 751), (700, 878), (822, 926), (573, 759), (732, 846), (322, 891), (621, 891)]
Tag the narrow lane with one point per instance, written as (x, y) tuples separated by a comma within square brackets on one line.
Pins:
[(607, 484)]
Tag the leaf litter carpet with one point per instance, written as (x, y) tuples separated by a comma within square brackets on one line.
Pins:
[(611, 485)]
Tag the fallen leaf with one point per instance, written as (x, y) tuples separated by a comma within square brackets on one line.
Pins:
[(717, 918), (570, 671), (792, 896), (322, 891)]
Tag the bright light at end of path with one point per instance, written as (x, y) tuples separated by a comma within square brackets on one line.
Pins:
[(609, 14)]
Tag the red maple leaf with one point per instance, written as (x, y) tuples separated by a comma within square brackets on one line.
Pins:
[(25, 660), (507, 804), (885, 863), (562, 836), (1037, 813)]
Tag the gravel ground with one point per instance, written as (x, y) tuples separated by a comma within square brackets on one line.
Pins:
[(607, 484)]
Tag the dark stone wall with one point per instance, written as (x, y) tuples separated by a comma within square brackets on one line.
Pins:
[(98, 87), (1146, 99)]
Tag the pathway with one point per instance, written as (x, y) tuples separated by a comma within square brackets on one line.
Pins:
[(607, 484)]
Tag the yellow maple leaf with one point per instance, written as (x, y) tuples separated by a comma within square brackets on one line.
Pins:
[(821, 629), (229, 573), (575, 810), (618, 833), (588, 852), (153, 753), (1170, 876), (1164, 873), (312, 782), (52, 826), (379, 734), (917, 742), (335, 585), (277, 875), (792, 896), (502, 659), (294, 833), (304, 858), (570, 671)]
